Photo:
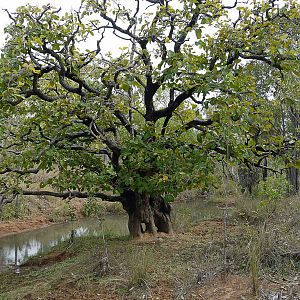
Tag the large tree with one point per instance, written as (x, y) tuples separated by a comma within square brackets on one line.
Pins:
[(149, 119)]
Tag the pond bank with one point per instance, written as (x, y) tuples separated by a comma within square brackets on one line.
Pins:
[(190, 264), (40, 212), (18, 248), (185, 265), (17, 226)]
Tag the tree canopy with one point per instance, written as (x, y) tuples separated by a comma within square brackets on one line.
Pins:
[(192, 82)]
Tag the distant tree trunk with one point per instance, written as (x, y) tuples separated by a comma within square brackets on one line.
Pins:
[(265, 170), (153, 212), (248, 179), (292, 175)]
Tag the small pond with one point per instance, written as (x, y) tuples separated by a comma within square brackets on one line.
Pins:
[(16, 249)]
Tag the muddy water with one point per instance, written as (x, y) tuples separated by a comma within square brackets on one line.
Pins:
[(16, 249)]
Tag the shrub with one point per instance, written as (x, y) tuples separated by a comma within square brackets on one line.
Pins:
[(14, 210), (265, 203), (63, 213), (273, 188), (92, 208)]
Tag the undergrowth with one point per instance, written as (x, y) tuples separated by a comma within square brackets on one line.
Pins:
[(263, 243)]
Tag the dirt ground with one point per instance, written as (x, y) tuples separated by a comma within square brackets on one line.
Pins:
[(184, 266), (17, 226), (169, 274), (39, 214)]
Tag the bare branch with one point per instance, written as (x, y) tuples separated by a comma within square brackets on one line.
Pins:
[(72, 194), (197, 123), (173, 105), (18, 171)]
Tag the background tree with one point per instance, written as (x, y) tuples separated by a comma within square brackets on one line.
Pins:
[(149, 120), (282, 105)]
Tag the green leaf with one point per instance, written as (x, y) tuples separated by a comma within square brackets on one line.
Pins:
[(169, 198), (56, 47), (200, 138), (125, 87), (198, 33)]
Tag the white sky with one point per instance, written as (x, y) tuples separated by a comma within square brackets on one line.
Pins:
[(66, 5)]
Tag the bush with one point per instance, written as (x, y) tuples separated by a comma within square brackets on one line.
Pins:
[(14, 210), (63, 213), (92, 208), (273, 188), (266, 202)]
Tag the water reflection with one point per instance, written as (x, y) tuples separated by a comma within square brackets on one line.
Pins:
[(16, 249)]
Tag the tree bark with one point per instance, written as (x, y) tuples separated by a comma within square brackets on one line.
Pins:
[(248, 179), (292, 172), (265, 170), (162, 214), (293, 180), (152, 212)]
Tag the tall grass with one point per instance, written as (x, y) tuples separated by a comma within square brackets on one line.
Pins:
[(138, 267)]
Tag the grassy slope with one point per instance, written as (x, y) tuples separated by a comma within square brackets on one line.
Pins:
[(187, 265)]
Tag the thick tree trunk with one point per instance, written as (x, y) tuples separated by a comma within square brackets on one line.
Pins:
[(146, 214), (162, 214)]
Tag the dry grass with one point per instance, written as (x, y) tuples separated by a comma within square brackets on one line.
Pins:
[(187, 265)]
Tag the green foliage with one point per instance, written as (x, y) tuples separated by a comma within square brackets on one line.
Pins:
[(273, 188), (14, 210), (157, 167), (92, 208), (155, 116), (63, 213)]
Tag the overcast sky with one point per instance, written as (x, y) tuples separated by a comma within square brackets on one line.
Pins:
[(11, 5), (66, 5)]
